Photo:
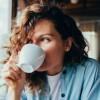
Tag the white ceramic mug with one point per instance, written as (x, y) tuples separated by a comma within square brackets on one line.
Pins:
[(30, 58)]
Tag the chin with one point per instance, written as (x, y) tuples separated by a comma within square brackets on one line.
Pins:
[(41, 69)]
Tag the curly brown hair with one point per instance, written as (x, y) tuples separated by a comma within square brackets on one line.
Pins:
[(63, 23)]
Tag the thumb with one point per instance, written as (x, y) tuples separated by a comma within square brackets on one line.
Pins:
[(13, 58)]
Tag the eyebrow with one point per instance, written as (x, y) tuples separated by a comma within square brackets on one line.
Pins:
[(47, 34)]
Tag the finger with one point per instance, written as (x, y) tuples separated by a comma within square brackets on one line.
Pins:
[(8, 75), (13, 65), (5, 74), (11, 73), (9, 82), (16, 68), (16, 74)]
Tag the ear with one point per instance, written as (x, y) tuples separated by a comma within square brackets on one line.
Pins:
[(68, 44)]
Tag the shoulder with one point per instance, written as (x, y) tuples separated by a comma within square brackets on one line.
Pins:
[(91, 80), (91, 72), (90, 62), (91, 66), (88, 69), (87, 66)]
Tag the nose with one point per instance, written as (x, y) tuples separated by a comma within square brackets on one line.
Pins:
[(35, 42)]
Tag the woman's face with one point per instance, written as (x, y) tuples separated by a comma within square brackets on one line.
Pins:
[(46, 36)]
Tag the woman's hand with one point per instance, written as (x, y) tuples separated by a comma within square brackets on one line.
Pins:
[(13, 76)]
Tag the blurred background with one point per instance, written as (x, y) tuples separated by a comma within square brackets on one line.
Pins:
[(85, 12)]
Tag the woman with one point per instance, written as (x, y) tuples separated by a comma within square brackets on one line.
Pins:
[(66, 73)]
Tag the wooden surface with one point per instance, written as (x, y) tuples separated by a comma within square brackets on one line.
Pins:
[(81, 8)]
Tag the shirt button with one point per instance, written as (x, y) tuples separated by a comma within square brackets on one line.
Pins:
[(62, 94), (64, 72)]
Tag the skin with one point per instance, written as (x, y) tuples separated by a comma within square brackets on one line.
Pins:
[(46, 36)]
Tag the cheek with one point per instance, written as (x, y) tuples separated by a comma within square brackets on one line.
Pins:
[(54, 52)]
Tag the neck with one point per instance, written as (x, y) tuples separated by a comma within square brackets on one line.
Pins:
[(55, 70)]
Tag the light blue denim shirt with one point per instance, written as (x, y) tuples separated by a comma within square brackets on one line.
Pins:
[(78, 82)]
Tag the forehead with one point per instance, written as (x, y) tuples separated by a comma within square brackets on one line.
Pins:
[(44, 26)]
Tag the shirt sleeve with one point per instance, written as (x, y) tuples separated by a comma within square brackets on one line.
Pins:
[(91, 85)]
